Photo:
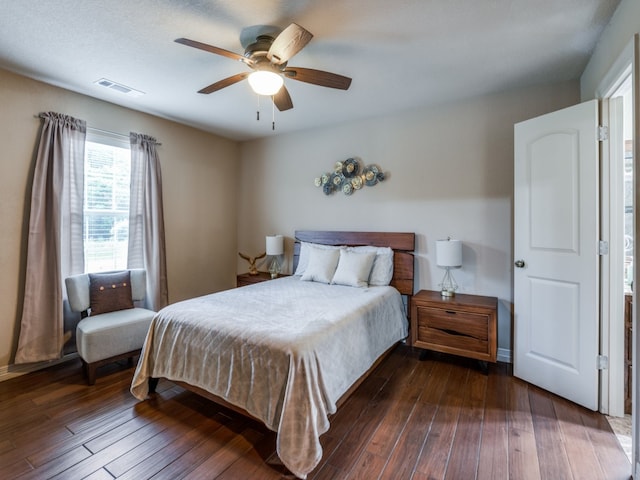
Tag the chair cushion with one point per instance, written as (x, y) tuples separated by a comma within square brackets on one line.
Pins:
[(109, 292), (109, 334)]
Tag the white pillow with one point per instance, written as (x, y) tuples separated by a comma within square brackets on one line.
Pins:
[(322, 265), (382, 270), (353, 268), (303, 259)]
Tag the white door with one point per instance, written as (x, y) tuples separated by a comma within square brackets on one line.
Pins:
[(556, 253)]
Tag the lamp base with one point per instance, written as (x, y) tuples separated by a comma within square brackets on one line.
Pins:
[(448, 286), (274, 267)]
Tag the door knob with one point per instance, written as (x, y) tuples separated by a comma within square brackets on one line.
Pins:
[(519, 263)]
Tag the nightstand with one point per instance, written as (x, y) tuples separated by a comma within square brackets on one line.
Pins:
[(245, 279), (463, 325)]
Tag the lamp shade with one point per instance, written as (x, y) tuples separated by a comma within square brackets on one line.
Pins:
[(275, 245), (449, 253)]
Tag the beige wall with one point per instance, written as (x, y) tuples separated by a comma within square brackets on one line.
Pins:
[(450, 172), (200, 182)]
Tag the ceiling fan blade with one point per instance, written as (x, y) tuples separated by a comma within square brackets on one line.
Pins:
[(290, 41), (225, 82), (318, 77), (212, 49), (282, 99)]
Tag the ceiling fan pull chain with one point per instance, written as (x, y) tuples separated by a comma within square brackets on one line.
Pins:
[(273, 114), (258, 110)]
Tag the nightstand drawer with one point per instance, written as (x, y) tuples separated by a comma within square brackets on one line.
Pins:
[(462, 323), (450, 341)]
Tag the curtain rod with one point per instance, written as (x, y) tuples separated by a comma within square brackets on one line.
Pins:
[(121, 136), (99, 130), (118, 135), (95, 129)]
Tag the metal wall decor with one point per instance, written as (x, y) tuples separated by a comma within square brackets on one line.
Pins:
[(349, 176)]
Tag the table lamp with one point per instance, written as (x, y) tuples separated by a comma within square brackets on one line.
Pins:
[(448, 256), (275, 249)]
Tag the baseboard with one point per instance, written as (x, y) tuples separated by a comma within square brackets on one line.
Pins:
[(504, 355), (8, 372)]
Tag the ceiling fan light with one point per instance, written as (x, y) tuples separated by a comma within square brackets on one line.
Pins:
[(264, 82)]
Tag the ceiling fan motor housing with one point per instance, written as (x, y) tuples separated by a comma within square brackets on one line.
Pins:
[(259, 48), (257, 53)]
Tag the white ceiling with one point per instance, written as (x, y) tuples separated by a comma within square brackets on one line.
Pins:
[(401, 54)]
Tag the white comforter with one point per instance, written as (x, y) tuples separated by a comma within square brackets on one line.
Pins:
[(284, 350)]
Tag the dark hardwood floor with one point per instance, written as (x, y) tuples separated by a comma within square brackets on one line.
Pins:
[(435, 419)]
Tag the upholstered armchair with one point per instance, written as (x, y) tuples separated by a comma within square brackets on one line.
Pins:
[(112, 327)]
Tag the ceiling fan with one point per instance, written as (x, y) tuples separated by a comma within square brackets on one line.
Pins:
[(268, 57)]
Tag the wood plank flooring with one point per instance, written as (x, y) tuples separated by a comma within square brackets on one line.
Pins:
[(440, 418)]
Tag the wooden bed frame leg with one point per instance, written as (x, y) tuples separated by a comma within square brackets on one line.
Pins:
[(153, 383)]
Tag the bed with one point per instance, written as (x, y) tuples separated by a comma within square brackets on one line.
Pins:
[(289, 351)]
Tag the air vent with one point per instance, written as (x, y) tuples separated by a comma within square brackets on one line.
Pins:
[(118, 87)]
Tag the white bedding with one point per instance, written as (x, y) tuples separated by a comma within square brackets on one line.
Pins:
[(284, 350)]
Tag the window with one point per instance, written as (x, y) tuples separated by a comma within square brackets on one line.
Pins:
[(107, 173)]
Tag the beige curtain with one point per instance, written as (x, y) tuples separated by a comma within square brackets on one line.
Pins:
[(55, 231), (146, 219)]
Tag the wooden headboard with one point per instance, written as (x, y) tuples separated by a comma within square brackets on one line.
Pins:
[(403, 245)]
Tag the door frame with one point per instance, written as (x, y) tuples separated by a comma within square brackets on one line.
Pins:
[(611, 283), (612, 264), (635, 418)]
